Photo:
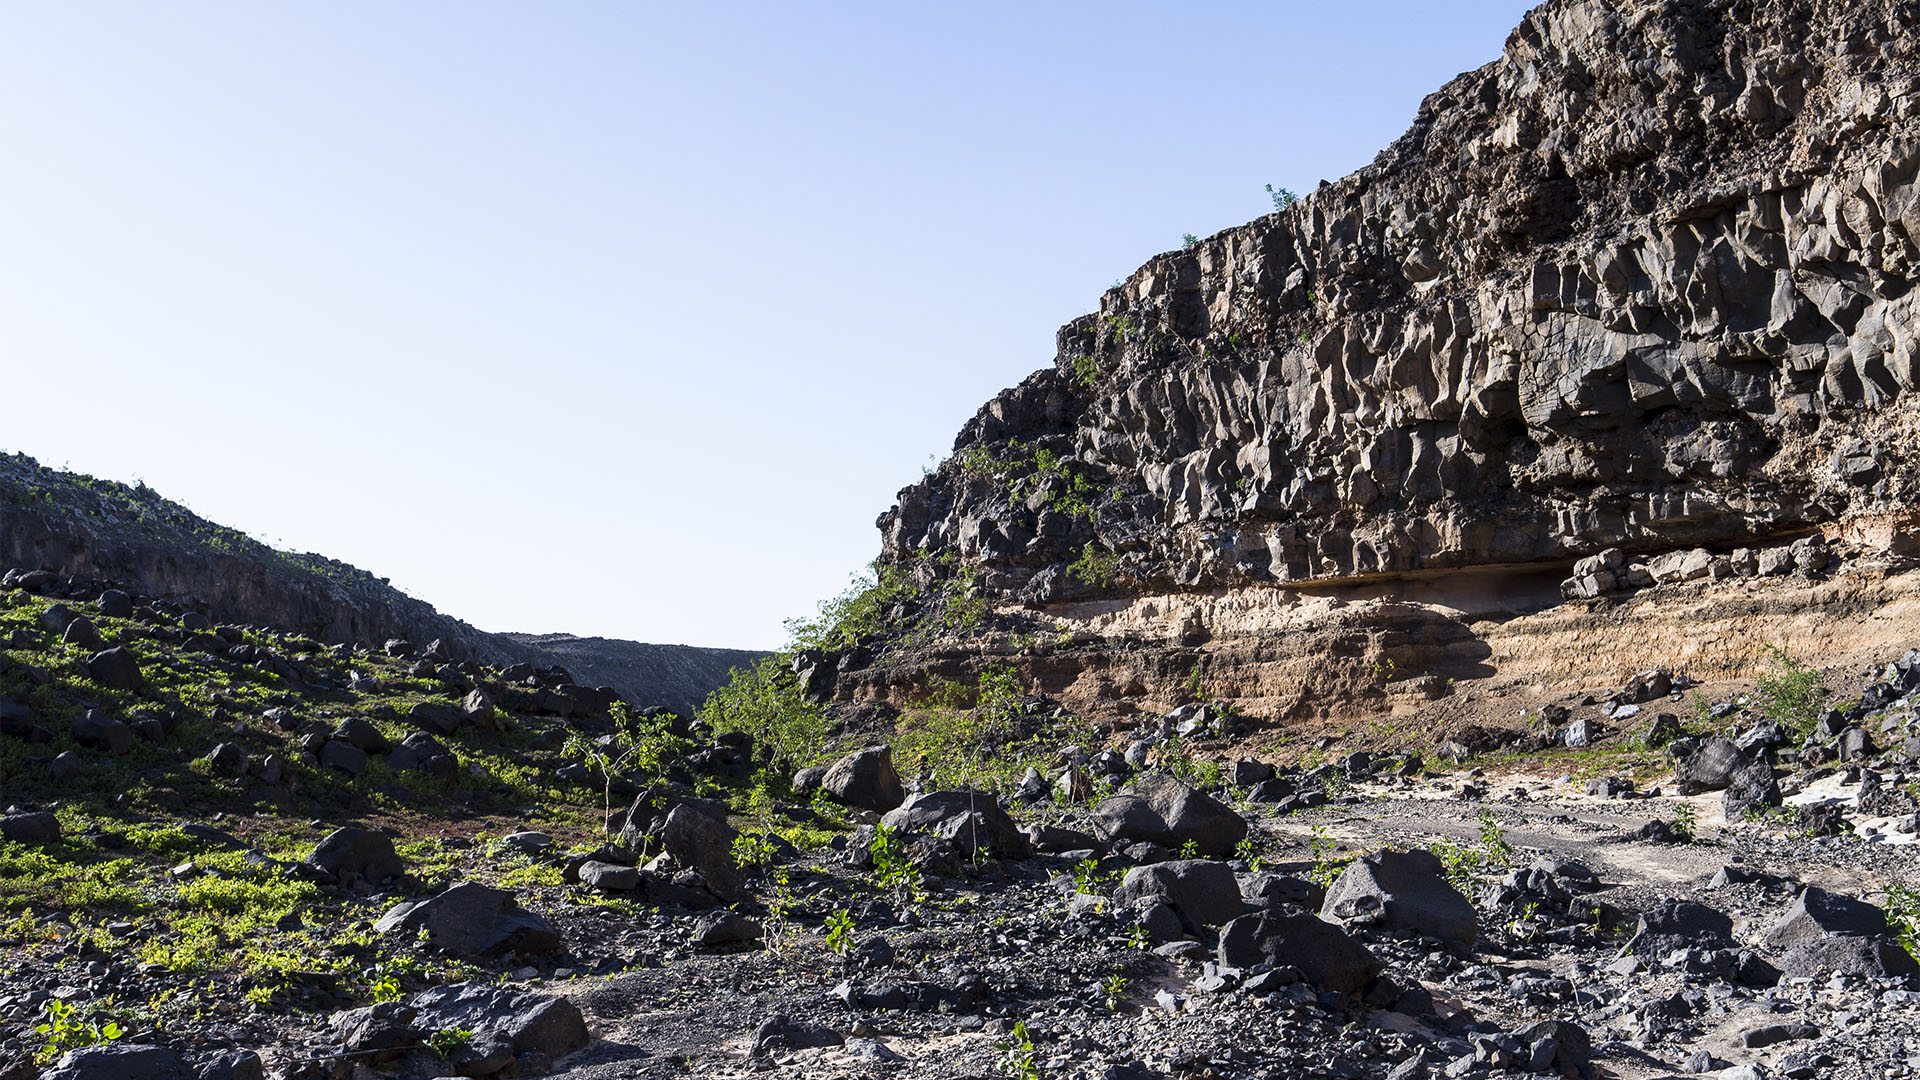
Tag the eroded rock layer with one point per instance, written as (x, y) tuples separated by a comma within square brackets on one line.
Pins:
[(1643, 284)]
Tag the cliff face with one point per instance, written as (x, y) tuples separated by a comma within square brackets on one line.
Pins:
[(97, 530), (1644, 283)]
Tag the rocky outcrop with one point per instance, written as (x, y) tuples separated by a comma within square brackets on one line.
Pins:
[(1642, 287), (677, 676)]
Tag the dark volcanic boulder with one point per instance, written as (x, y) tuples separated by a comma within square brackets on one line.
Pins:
[(353, 852), (1848, 954), (698, 842), (115, 669), (866, 779), (971, 820), (1751, 790), (471, 919), (1161, 810), (1330, 958), (1674, 925), (1402, 890), (96, 729), (530, 1023), (119, 1061), (1817, 913), (39, 827), (1707, 766), (1201, 892)]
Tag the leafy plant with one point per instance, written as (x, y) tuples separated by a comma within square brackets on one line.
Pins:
[(1094, 566), (764, 701), (1684, 818), (447, 1040), (1019, 1057), (1087, 369), (1188, 241), (894, 872), (1493, 840), (1086, 876), (1791, 693), (66, 1030), (1115, 991), (1246, 850), (1903, 917), (1325, 866), (1282, 198), (840, 932)]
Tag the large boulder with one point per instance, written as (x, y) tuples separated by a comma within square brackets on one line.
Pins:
[(1674, 925), (94, 728), (40, 827), (971, 820), (1751, 790), (698, 842), (1272, 892), (351, 853), (119, 1061), (1201, 892), (866, 779), (638, 824), (1707, 765), (531, 1023), (115, 669), (471, 919), (1402, 890), (1328, 957), (1848, 954), (1818, 913), (1161, 810)]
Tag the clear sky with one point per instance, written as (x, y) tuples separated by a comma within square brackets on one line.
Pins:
[(622, 319)]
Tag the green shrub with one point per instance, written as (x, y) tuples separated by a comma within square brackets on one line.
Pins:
[(1790, 694), (764, 701), (1094, 566)]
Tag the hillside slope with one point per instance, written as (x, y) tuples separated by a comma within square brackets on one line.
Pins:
[(76, 526)]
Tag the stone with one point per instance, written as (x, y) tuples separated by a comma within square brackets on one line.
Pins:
[(1272, 892), (115, 669), (1326, 954), (1200, 892), (607, 877), (971, 820), (1751, 791), (1160, 809), (782, 1032), (479, 707), (82, 633), (698, 842), (1817, 913), (541, 1024), (39, 827), (378, 1032), (1707, 766), (228, 759), (348, 758), (441, 718), (119, 1061), (1676, 925), (362, 735), (95, 729), (233, 1065), (865, 779), (1773, 1034), (808, 780), (1250, 771), (527, 841), (470, 919), (723, 928), (1402, 890), (1848, 954), (352, 852), (115, 604)]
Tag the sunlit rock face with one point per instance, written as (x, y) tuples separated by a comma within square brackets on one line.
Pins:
[(1642, 286)]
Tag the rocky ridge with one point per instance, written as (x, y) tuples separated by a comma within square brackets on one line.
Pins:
[(1630, 306), (97, 532)]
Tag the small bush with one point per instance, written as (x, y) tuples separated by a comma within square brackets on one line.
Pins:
[(1792, 693)]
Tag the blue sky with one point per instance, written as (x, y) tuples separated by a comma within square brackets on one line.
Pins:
[(621, 319)]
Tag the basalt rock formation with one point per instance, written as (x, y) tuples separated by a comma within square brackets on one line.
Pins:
[(1639, 290)]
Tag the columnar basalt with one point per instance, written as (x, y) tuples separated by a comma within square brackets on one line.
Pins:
[(1644, 283)]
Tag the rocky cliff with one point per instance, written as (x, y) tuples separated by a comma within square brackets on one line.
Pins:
[(98, 530), (1639, 292)]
